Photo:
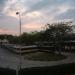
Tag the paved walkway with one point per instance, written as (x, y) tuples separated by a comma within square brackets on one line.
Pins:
[(11, 60)]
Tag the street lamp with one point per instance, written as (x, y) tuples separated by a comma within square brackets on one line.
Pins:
[(20, 62)]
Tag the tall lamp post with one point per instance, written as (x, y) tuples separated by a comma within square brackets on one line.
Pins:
[(20, 62)]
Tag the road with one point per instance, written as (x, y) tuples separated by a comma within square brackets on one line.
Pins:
[(11, 60), (8, 59)]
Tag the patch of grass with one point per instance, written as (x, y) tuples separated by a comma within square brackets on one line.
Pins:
[(43, 56)]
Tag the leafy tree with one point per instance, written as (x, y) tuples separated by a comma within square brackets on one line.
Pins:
[(31, 38), (56, 32), (58, 29)]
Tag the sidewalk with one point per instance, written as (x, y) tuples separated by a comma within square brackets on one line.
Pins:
[(11, 60)]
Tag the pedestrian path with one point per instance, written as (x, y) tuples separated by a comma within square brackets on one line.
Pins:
[(11, 60)]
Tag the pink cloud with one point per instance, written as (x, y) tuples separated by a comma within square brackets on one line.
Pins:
[(7, 31), (32, 27)]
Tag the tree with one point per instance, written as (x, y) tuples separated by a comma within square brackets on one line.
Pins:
[(56, 32), (31, 38)]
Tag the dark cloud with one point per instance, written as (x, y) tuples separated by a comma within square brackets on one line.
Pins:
[(45, 3), (70, 14), (2, 4), (70, 2), (2, 1)]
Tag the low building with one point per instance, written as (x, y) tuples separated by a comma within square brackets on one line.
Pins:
[(4, 41)]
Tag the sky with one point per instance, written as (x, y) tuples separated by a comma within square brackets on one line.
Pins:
[(35, 14)]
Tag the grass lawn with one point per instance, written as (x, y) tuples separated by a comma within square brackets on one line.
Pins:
[(44, 56)]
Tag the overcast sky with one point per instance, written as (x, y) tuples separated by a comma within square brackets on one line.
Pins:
[(34, 14)]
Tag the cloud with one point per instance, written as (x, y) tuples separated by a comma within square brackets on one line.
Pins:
[(64, 11), (32, 27), (63, 8), (22, 6), (34, 13), (26, 7), (12, 6), (70, 14), (2, 5), (29, 7), (2, 2), (44, 4), (7, 31)]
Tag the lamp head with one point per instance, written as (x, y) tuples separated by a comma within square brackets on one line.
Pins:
[(17, 13)]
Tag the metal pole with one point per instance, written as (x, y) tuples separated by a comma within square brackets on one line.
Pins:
[(20, 62), (20, 43), (59, 39)]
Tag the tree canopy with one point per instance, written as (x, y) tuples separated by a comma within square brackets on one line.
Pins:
[(58, 30)]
